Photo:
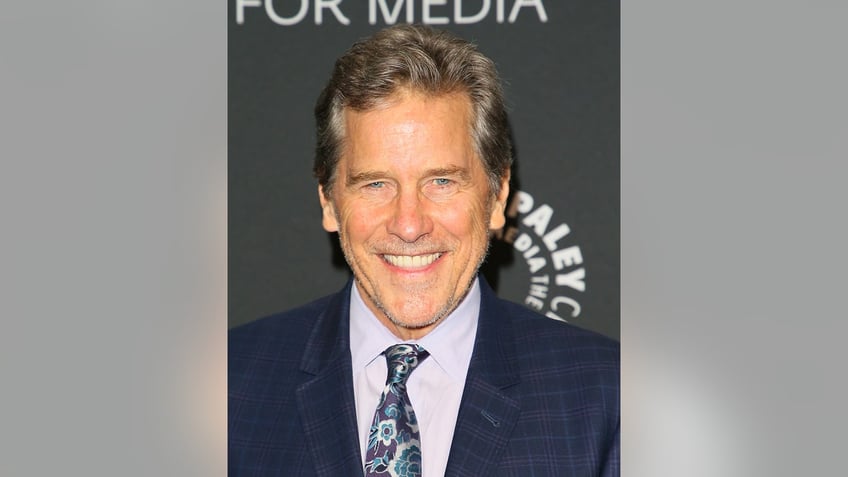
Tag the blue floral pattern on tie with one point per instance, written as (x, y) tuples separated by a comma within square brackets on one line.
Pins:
[(394, 446)]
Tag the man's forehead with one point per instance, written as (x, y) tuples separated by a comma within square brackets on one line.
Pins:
[(407, 93), (409, 116)]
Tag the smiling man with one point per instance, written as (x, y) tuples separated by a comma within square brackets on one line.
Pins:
[(416, 368), (413, 207)]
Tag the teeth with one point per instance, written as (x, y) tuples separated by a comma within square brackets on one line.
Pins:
[(416, 261)]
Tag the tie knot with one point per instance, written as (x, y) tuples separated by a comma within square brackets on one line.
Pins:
[(402, 359)]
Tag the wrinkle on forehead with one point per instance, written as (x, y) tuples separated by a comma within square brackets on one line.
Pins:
[(399, 135), (405, 93)]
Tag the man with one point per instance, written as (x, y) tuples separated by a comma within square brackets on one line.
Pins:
[(416, 367)]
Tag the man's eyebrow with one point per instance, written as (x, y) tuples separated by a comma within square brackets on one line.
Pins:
[(371, 176), (364, 176), (451, 171)]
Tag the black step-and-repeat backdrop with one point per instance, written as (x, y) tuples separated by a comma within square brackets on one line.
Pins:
[(558, 254)]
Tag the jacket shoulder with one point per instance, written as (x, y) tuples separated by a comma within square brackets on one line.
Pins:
[(554, 345), (269, 327), (271, 344), (533, 324), (560, 361)]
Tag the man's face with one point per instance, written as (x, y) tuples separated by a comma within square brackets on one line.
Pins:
[(412, 205)]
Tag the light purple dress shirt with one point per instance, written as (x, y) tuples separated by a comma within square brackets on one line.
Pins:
[(435, 387)]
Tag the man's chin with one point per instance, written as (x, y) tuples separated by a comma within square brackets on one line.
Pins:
[(415, 324), (419, 318)]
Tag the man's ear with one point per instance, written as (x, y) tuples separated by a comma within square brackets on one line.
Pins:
[(498, 218), (328, 214)]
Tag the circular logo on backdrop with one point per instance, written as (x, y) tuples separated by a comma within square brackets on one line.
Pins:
[(557, 277)]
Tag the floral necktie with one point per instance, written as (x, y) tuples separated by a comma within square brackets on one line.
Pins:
[(394, 446)]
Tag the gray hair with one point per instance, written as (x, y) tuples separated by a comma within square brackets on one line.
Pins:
[(424, 60)]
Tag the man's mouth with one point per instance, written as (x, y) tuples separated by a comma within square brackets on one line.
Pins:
[(411, 261)]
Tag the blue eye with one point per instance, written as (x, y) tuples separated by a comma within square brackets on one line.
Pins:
[(376, 185), (441, 181)]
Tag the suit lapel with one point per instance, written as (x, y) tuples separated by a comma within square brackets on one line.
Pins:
[(489, 410), (325, 399)]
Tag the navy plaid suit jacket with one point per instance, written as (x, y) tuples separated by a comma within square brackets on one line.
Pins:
[(541, 397)]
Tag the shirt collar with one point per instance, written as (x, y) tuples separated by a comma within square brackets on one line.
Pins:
[(450, 343)]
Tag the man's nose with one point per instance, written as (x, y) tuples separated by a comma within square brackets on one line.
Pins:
[(410, 219)]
